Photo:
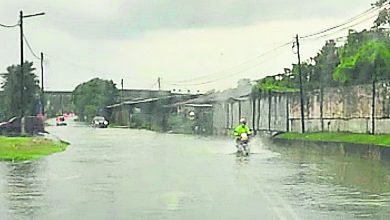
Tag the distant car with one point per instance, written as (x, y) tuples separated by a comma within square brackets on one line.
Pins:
[(60, 121), (13, 126), (99, 122)]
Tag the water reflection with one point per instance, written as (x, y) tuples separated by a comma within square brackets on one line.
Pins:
[(242, 160), (338, 179), (23, 189)]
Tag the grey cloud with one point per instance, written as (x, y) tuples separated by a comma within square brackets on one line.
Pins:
[(202, 13), (135, 17)]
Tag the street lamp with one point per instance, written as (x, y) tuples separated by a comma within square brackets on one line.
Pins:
[(21, 16)]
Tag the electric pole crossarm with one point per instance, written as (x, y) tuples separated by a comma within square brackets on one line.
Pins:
[(33, 15)]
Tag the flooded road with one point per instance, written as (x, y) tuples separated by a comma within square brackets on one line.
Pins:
[(131, 174)]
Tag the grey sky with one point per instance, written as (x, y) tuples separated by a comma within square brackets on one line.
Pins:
[(139, 40)]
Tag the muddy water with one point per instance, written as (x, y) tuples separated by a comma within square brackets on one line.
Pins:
[(130, 174)]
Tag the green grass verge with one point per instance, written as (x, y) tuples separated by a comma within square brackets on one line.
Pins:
[(382, 140), (28, 148)]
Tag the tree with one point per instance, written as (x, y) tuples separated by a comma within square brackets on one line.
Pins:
[(91, 98), (325, 63), (384, 14), (371, 58), (12, 101), (365, 55)]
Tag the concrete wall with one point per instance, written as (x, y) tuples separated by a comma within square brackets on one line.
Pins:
[(226, 115), (221, 122), (345, 109)]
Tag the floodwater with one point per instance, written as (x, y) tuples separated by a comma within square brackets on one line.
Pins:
[(134, 174)]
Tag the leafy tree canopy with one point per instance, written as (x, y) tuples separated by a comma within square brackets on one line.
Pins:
[(384, 15), (371, 58), (11, 103), (91, 98)]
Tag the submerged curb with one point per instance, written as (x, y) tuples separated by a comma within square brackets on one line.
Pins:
[(370, 151)]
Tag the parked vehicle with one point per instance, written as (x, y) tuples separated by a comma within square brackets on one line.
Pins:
[(99, 122), (13, 126), (60, 121)]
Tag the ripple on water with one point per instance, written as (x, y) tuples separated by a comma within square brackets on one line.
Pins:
[(310, 192), (23, 188)]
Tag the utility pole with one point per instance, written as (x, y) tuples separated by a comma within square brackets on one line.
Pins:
[(300, 85), (21, 16), (121, 90), (62, 106), (159, 83), (42, 87), (21, 65)]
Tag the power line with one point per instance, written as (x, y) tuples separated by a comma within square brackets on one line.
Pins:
[(9, 26), (221, 78), (29, 48), (340, 30), (366, 12), (248, 68), (183, 82), (319, 37)]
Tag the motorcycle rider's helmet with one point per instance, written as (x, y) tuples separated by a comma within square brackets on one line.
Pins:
[(243, 121)]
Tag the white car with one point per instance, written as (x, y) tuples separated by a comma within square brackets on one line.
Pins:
[(99, 122)]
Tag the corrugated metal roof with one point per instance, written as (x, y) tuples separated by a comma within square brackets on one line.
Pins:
[(240, 93), (148, 100), (199, 105)]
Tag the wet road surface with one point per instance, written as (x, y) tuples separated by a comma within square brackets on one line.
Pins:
[(132, 174)]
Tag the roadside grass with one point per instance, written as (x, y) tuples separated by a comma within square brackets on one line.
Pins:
[(28, 148), (381, 140)]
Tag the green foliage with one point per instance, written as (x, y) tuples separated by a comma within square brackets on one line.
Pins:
[(371, 58), (313, 75), (325, 63), (380, 3), (382, 140), (91, 98), (11, 101), (364, 54), (273, 83), (27, 148), (384, 15)]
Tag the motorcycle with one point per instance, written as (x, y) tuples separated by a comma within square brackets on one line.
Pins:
[(243, 148)]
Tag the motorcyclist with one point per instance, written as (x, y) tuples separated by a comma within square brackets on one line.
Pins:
[(240, 129)]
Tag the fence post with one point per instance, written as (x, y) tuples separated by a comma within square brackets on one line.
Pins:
[(239, 110), (231, 114), (269, 110), (287, 113), (254, 115), (373, 103), (259, 112), (227, 115), (322, 107)]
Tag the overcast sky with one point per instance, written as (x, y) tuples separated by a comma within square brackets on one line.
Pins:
[(177, 40)]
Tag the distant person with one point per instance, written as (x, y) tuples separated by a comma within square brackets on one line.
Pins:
[(242, 128)]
